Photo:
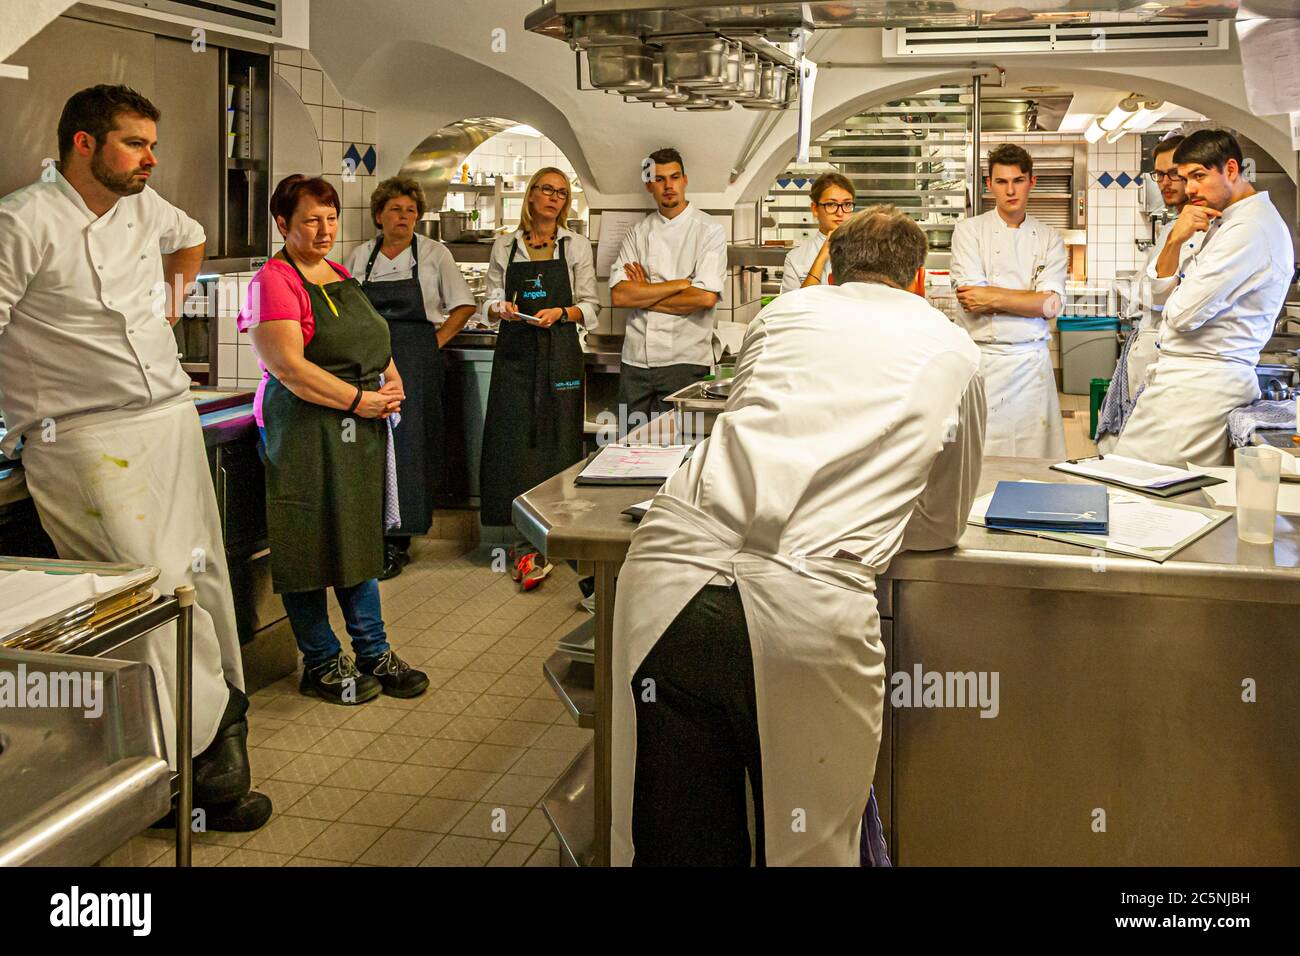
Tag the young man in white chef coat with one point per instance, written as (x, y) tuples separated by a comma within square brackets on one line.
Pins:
[(669, 272), (1009, 271), (808, 263), (111, 441), (1221, 306), (1145, 305), (746, 630)]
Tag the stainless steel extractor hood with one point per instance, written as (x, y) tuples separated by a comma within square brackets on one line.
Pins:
[(637, 20)]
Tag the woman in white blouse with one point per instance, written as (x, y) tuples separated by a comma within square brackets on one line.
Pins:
[(541, 286)]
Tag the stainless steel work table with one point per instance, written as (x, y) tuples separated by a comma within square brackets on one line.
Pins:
[(1148, 713)]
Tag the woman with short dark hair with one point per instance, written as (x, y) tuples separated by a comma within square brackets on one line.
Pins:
[(329, 384), (415, 284)]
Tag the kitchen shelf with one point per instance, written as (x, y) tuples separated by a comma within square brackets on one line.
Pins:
[(472, 187), (570, 808), (572, 682)]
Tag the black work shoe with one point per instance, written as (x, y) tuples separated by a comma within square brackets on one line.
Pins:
[(250, 812), (392, 562), (221, 772), (398, 678), (339, 682)]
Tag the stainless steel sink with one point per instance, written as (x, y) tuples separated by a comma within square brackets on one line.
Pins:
[(78, 781)]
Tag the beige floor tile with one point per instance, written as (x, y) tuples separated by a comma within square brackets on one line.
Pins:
[(492, 663), (360, 774), (276, 706), (511, 854), (541, 762), (516, 733), (413, 779), (515, 646), (286, 834), (396, 703), (379, 809), (518, 789), (308, 861), (400, 848), (393, 748), (243, 857), (297, 737), (260, 728), (325, 803), (434, 814), (372, 719), (490, 705), (538, 711), (461, 851), (473, 729), (421, 723), (493, 624), (451, 659), (516, 685), (267, 763), (475, 644), (201, 854), (444, 701), (215, 837), (464, 784), (559, 737), (341, 742), (140, 851), (544, 856), (533, 830), (431, 637), (493, 758), (343, 841), (324, 714), (493, 821), (438, 752), (308, 768), (471, 681)]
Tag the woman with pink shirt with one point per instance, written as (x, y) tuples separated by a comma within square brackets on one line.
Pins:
[(322, 410)]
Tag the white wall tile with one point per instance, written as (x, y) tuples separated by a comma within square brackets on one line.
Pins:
[(311, 86), (333, 123), (352, 126)]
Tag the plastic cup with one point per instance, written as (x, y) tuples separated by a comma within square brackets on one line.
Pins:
[(1258, 472)]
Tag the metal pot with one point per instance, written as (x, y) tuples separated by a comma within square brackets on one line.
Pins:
[(661, 91), (627, 69), (774, 89), (453, 225), (701, 61), (429, 228)]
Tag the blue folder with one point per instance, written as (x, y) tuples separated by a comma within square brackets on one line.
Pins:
[(1047, 506)]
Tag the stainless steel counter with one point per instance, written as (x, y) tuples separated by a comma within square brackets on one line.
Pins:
[(1121, 686)]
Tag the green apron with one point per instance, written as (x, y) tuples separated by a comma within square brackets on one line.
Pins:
[(325, 467)]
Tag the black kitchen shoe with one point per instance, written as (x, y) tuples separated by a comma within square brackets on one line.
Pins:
[(221, 772), (250, 812), (339, 682), (398, 678), (393, 562)]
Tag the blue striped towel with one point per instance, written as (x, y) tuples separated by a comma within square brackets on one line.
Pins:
[(1242, 422), (392, 510)]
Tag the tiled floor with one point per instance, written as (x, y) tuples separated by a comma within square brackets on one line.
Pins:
[(1077, 442), (451, 778)]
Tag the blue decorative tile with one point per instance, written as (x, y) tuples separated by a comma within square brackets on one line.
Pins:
[(1105, 179), (1139, 179), (369, 159), (1123, 179), (354, 156), (800, 183)]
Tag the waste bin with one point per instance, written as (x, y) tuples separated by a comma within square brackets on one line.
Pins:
[(1089, 349)]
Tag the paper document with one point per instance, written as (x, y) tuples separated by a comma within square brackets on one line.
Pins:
[(614, 227), (1269, 64), (1129, 471), (634, 464), (1224, 496)]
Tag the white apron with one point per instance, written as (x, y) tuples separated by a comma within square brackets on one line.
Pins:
[(1024, 410), (819, 677), (135, 487), (1142, 355), (1183, 414)]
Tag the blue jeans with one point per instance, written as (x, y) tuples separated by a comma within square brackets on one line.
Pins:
[(309, 618)]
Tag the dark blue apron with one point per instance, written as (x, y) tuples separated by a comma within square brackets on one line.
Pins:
[(419, 440), (533, 428)]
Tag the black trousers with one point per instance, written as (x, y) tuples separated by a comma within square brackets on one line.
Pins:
[(644, 389), (696, 738)]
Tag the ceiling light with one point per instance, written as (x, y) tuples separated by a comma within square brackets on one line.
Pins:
[(1094, 132), (524, 130)]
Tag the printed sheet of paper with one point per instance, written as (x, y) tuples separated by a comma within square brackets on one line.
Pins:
[(1269, 64), (614, 227), (635, 462), (1130, 471), (1225, 496)]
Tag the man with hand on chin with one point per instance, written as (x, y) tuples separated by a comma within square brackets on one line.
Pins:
[(669, 272), (1222, 305)]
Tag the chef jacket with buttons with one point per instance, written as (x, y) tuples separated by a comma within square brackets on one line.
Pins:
[(441, 283), (798, 263), (692, 245), (82, 312), (1150, 292), (1225, 302), (988, 252)]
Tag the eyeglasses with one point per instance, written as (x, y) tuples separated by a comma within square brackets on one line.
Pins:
[(1172, 176), (836, 206), (550, 191)]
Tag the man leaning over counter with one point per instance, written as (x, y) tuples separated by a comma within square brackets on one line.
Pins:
[(112, 446), (1222, 305)]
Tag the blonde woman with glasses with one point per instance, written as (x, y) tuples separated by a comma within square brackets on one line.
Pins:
[(541, 285)]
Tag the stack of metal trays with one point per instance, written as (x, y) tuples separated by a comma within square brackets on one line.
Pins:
[(67, 628)]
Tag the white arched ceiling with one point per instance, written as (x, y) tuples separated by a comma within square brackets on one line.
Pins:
[(19, 22)]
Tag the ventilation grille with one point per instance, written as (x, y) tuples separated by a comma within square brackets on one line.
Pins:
[(904, 42), (256, 16)]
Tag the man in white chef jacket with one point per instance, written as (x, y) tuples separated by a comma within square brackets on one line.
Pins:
[(1009, 272), (1145, 304), (111, 443), (808, 263), (1222, 304), (746, 630), (669, 272)]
